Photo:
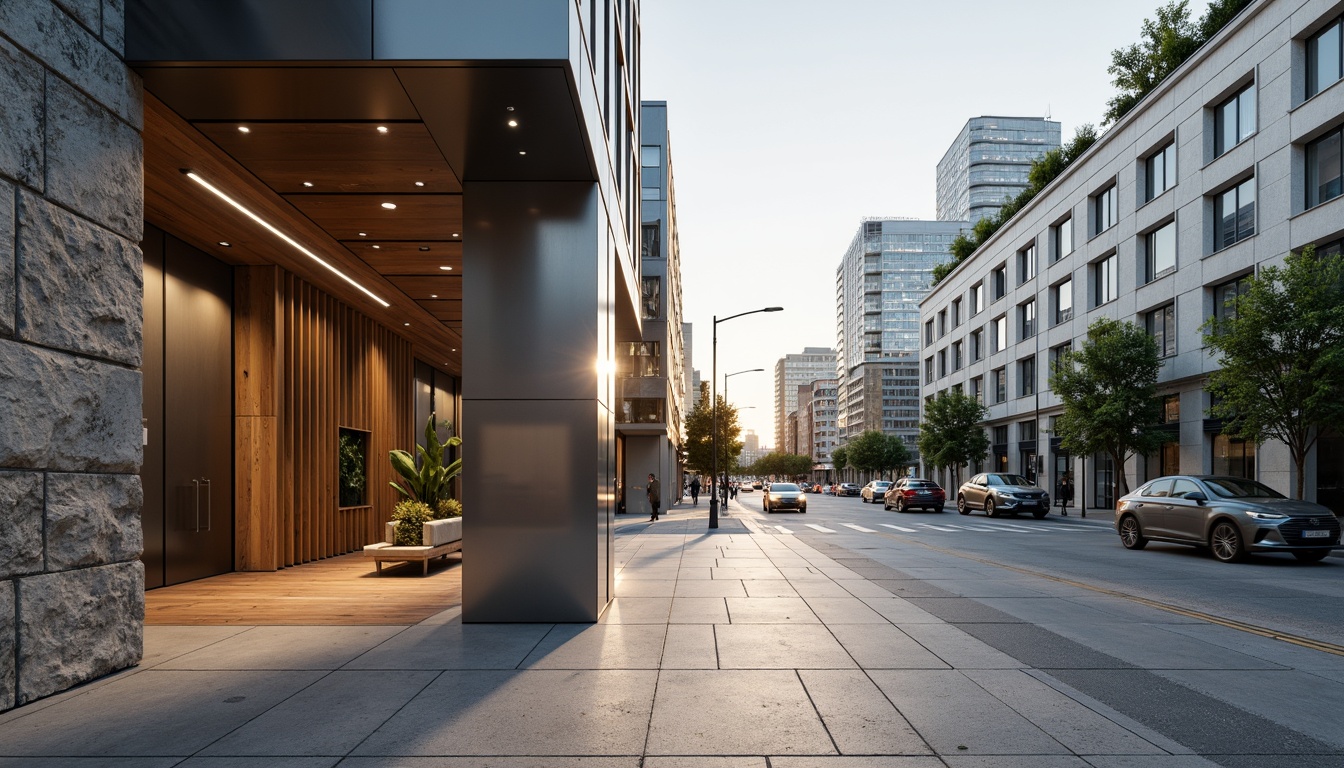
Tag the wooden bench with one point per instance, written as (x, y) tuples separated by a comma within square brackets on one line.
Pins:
[(383, 551)]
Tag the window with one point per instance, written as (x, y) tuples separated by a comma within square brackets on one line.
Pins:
[(942, 323), (1171, 410), (978, 389), (1233, 456), (1160, 171), (1104, 210), (977, 344), (1234, 215), (1058, 353), (1000, 436), (1324, 62), (651, 289), (998, 328), (1160, 248), (650, 243), (1234, 120), (1026, 264), (1000, 384), (1026, 431), (1026, 318), (942, 363), (956, 356), (650, 156), (641, 411), (1000, 280), (1064, 301), (956, 313), (1105, 280), (1026, 376), (928, 333), (977, 298), (928, 370), (1225, 297), (1161, 325), (636, 358), (1324, 168), (1063, 238)]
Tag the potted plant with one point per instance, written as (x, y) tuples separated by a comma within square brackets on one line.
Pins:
[(426, 504)]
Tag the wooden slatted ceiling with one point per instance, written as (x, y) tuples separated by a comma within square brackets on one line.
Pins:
[(407, 258), (416, 217)]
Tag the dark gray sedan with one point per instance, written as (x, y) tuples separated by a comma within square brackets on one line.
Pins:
[(1230, 515), (1000, 492)]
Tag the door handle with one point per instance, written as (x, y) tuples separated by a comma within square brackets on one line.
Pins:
[(196, 484), (209, 506)]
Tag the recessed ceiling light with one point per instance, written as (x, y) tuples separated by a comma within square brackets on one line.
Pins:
[(226, 243), (522, 151), (382, 129), (408, 325), (513, 123), (363, 234), (244, 129), (454, 349), (424, 247), (456, 235), (307, 183), (510, 109), (448, 269), (433, 295), (390, 206), (419, 183), (376, 247)]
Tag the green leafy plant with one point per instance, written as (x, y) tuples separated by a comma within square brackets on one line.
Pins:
[(410, 517), (430, 481), (446, 508), (353, 470)]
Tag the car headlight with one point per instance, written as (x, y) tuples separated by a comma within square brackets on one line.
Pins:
[(1256, 514)]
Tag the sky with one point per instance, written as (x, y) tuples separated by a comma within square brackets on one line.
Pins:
[(790, 120)]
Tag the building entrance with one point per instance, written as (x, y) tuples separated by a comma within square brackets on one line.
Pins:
[(188, 411)]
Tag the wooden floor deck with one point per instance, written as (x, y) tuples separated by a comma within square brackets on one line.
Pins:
[(340, 590)]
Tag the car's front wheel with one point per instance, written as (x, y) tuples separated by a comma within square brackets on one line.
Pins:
[(989, 508), (1225, 542), (1130, 535), (886, 505), (1311, 555), (1040, 514)]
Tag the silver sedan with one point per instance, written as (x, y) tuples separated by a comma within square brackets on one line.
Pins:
[(1230, 515), (1000, 492)]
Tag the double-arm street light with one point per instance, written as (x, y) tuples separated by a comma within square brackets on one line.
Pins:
[(727, 402), (714, 408)]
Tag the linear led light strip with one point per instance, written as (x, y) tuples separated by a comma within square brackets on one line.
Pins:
[(192, 175)]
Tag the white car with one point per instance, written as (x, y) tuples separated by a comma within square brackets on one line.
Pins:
[(874, 491)]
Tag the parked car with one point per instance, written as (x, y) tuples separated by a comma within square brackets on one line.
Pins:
[(744, 487), (914, 493), (784, 496), (874, 491), (756, 484), (1230, 515), (1000, 492), (849, 489)]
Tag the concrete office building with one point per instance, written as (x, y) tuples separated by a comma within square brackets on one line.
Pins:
[(792, 371), (884, 274), (989, 162), (651, 364), (822, 427), (1228, 165), (449, 200)]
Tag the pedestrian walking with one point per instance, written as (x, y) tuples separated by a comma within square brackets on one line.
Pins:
[(732, 490), (655, 497), (1065, 493), (695, 490)]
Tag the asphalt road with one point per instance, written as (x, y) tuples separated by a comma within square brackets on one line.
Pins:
[(1275, 592)]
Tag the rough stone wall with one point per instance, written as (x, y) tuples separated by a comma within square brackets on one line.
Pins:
[(71, 215)]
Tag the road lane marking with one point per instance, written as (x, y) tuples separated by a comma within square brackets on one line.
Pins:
[(938, 527), (821, 528), (782, 529), (858, 528), (899, 528)]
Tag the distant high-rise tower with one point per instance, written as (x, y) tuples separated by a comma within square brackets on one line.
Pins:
[(794, 370), (989, 162)]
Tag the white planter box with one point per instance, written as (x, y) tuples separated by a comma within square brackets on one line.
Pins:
[(436, 532)]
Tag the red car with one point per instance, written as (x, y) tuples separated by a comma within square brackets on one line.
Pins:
[(914, 493)]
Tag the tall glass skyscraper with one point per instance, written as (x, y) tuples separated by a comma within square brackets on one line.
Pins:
[(989, 162), (884, 275)]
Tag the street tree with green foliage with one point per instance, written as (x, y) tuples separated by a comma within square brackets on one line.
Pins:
[(839, 460), (1109, 391), (872, 451), (699, 425), (782, 465), (1280, 349), (952, 435)]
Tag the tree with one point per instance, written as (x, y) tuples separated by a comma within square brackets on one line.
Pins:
[(1280, 346), (699, 454), (1109, 391), (951, 435), (840, 460), (1164, 45), (896, 456), (867, 452)]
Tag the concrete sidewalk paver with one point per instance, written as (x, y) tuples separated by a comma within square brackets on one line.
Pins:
[(735, 712)]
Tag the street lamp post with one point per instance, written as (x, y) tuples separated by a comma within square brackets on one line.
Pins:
[(714, 409), (727, 376)]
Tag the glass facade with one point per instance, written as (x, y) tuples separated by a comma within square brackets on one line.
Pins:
[(1234, 120), (989, 162), (1234, 215), (1325, 168), (1325, 57)]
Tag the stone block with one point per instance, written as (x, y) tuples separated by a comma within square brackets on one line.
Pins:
[(67, 413), (87, 12), (7, 621), (6, 256), (20, 523), (76, 54), (114, 25), (93, 520), (21, 81), (79, 286), (78, 625), (95, 162)]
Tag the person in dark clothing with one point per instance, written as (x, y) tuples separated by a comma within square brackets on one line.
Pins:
[(695, 490), (1065, 493), (655, 497)]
